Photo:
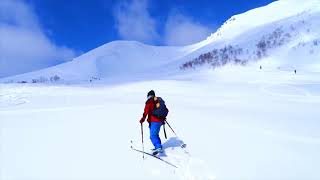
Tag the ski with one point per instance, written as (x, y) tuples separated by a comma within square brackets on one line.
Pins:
[(149, 154)]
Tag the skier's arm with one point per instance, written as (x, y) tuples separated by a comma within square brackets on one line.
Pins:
[(145, 112)]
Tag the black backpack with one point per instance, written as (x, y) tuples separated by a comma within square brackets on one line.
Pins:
[(162, 111)]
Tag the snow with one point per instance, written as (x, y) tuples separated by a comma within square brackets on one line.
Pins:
[(257, 125), (239, 122), (115, 59), (271, 13)]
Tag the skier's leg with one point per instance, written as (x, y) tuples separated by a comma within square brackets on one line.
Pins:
[(154, 134)]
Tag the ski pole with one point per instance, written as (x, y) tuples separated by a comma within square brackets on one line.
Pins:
[(142, 140), (171, 128), (164, 131), (183, 145)]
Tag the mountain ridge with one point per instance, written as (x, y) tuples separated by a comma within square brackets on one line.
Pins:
[(128, 59)]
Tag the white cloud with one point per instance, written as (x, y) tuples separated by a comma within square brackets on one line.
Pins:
[(134, 22), (183, 30), (23, 45)]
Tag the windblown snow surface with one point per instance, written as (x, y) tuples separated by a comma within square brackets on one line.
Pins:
[(238, 121)]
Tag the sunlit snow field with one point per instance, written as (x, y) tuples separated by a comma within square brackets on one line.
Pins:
[(238, 123)]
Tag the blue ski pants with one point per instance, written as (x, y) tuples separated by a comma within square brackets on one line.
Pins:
[(154, 134)]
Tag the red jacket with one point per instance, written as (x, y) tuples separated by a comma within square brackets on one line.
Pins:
[(148, 111)]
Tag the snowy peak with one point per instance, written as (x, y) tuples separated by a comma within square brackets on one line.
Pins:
[(273, 12)]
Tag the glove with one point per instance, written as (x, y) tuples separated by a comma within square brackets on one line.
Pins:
[(141, 120)]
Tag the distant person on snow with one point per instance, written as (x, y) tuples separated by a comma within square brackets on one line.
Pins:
[(156, 111)]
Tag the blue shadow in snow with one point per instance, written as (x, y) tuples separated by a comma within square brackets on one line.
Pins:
[(172, 143)]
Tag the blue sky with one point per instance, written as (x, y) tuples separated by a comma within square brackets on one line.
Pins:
[(85, 24), (42, 33)]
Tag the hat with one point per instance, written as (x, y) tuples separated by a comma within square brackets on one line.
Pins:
[(151, 94)]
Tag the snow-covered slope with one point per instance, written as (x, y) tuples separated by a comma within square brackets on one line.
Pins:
[(244, 123), (285, 29), (113, 59), (279, 32), (271, 13)]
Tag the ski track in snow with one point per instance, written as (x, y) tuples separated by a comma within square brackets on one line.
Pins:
[(12, 99), (189, 167), (56, 109), (289, 91)]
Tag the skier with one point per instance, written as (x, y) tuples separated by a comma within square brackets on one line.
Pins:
[(156, 111)]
